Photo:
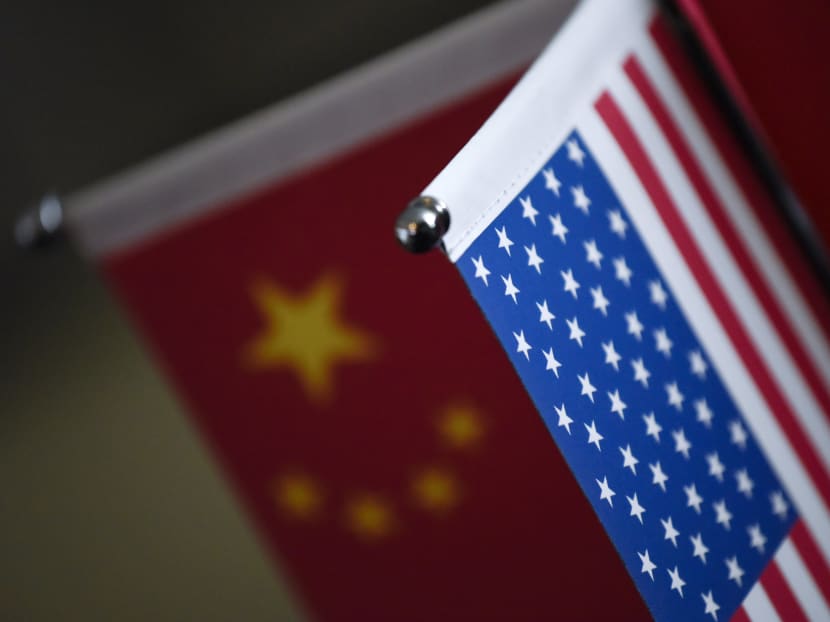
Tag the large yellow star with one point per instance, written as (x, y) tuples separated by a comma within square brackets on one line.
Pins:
[(306, 334)]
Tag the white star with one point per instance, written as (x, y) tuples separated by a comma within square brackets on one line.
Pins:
[(611, 356), (745, 484), (700, 548), (737, 434), (575, 153), (522, 346), (594, 437), (559, 230), (652, 427), (605, 491), (693, 500), (676, 582), (757, 539), (716, 468), (648, 565), (564, 420), (504, 241), (658, 294), (592, 253), (587, 388), (659, 478), (636, 509), (710, 605), (674, 395), (662, 342), (510, 289), (581, 200), (670, 532), (633, 325), (528, 211), (704, 413), (621, 271), (570, 282), (698, 364), (533, 258), (617, 405), (600, 301), (629, 460), (641, 374), (722, 514), (481, 270), (681, 443), (617, 223), (551, 182), (551, 363), (576, 332), (544, 313), (780, 507), (736, 573)]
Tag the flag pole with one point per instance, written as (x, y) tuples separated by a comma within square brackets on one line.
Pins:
[(783, 196)]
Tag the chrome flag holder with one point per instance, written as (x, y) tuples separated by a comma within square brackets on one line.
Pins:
[(41, 224), (422, 224)]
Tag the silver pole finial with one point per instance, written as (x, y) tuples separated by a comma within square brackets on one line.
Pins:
[(40, 224), (422, 225)]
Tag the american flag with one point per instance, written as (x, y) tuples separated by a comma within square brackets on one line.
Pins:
[(673, 346)]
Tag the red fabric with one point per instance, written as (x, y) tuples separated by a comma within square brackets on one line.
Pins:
[(778, 52), (519, 541)]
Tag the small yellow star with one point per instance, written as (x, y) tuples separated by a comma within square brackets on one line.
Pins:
[(460, 426), (305, 333), (369, 517), (298, 495), (435, 490)]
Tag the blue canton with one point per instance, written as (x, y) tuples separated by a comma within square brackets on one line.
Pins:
[(627, 391)]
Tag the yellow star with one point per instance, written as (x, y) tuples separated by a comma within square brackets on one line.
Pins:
[(460, 426), (435, 490), (369, 516), (305, 333), (298, 495)]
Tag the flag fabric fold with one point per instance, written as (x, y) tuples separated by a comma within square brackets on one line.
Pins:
[(658, 317)]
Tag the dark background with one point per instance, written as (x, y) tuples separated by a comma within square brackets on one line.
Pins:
[(110, 508)]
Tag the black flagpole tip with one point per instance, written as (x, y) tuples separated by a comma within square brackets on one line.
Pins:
[(422, 225), (40, 224)]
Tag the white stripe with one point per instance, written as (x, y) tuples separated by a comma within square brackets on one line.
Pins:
[(743, 217), (765, 338), (312, 126), (801, 582), (758, 605), (521, 135), (705, 323)]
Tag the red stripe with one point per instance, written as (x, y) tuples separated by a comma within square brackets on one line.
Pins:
[(729, 233), (720, 303), (740, 616), (811, 556), (730, 152), (781, 595)]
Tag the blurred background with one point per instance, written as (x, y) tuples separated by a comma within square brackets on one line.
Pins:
[(110, 507)]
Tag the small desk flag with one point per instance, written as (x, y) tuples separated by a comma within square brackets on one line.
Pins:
[(631, 268)]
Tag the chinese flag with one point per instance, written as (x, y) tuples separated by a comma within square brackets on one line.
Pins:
[(390, 459)]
